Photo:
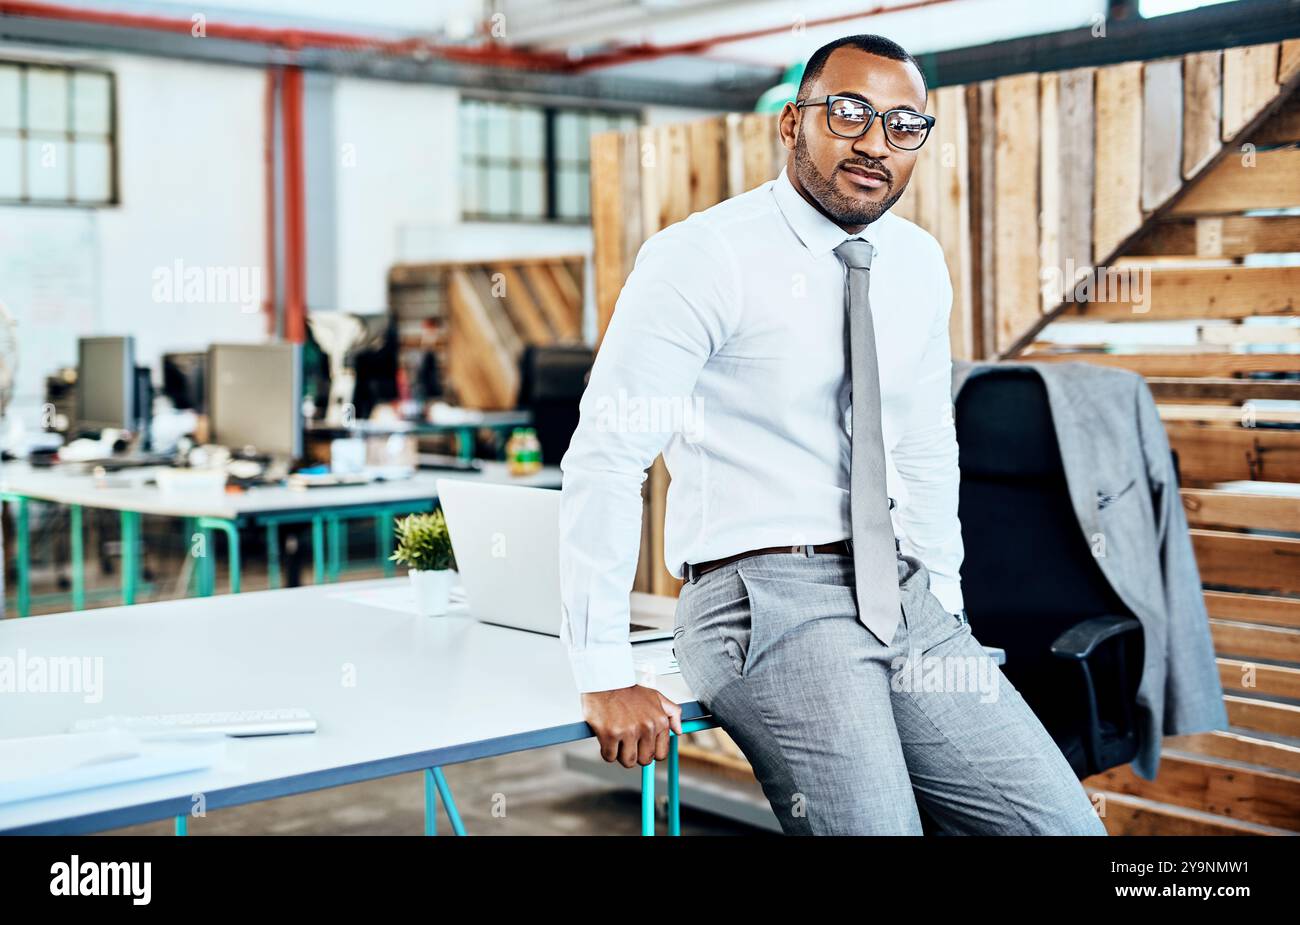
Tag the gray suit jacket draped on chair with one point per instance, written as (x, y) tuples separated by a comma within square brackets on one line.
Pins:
[(1114, 447)]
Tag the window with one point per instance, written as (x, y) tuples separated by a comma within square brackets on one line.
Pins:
[(529, 163), (56, 135)]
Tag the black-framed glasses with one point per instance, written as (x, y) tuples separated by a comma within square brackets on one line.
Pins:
[(849, 117)]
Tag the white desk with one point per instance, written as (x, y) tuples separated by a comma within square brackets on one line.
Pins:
[(268, 507), (428, 692)]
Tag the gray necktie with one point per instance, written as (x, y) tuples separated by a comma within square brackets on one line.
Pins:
[(875, 555)]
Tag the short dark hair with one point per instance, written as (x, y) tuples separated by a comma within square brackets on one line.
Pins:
[(871, 44)]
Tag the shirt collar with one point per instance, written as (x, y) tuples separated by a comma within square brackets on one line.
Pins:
[(817, 232)]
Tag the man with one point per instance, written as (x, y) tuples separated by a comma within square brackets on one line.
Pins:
[(800, 333)]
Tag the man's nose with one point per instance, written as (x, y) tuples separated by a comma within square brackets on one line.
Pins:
[(872, 143)]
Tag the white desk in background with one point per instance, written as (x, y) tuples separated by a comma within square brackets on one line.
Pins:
[(391, 692), (268, 507)]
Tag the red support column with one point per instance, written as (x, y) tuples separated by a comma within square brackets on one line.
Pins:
[(268, 189), (295, 218)]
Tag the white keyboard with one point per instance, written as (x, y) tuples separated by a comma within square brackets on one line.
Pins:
[(232, 723)]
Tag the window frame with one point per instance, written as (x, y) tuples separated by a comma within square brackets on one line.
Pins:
[(550, 162), (68, 138)]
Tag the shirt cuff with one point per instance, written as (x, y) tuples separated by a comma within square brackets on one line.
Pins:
[(948, 592), (603, 668)]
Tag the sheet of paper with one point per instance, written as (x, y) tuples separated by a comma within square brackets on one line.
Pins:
[(42, 766), (654, 658)]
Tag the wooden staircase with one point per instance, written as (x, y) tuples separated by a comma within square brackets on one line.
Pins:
[(477, 317), (1214, 266)]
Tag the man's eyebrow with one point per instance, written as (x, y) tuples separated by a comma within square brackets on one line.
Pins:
[(858, 96)]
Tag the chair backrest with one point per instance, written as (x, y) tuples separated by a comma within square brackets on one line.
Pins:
[(1028, 572), (551, 382)]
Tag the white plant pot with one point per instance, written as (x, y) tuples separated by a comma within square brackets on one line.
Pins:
[(432, 590)]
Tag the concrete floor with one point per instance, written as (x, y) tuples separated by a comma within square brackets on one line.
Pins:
[(529, 793)]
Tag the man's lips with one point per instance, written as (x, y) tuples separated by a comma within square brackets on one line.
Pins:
[(867, 179)]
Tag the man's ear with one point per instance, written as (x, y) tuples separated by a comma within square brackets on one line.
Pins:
[(788, 125)]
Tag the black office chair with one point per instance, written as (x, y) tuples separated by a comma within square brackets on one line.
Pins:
[(551, 382), (1030, 582)]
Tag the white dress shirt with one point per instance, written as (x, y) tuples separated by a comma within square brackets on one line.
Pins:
[(727, 352)]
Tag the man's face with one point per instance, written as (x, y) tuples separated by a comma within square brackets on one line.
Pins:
[(853, 181)]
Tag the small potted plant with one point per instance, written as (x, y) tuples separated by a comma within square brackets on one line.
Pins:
[(424, 547)]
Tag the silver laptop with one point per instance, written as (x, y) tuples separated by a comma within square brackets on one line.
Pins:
[(507, 543)]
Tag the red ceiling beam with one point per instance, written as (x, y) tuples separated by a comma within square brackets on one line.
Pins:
[(294, 39)]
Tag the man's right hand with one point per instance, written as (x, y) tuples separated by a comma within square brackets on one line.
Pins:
[(632, 723)]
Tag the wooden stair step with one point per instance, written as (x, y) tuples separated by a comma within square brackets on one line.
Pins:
[(1124, 814), (1240, 561), (1195, 293), (1253, 608), (1229, 415), (1221, 236), (1263, 716), (1237, 746), (1261, 679), (1221, 364), (1228, 389), (1278, 509), (1218, 786), (1209, 455), (1252, 641)]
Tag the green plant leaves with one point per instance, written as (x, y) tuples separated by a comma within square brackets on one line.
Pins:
[(423, 542)]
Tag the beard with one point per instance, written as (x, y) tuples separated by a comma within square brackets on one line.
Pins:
[(842, 209)]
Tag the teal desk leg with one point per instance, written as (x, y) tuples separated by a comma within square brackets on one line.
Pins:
[(430, 804), (465, 442), (182, 825), (187, 538), (674, 790), (674, 783), (648, 799), (448, 802), (207, 524), (205, 569), (384, 542), (77, 541), (130, 555), (22, 556), (435, 785), (273, 555), (318, 549), (335, 544)]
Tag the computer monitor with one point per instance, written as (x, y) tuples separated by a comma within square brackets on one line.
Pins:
[(184, 380), (255, 398), (106, 383)]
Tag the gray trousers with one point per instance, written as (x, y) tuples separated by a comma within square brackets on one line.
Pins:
[(847, 735)]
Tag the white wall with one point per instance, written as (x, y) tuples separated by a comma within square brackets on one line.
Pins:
[(400, 142), (190, 181)]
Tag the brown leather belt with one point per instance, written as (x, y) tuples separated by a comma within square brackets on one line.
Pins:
[(841, 547)]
